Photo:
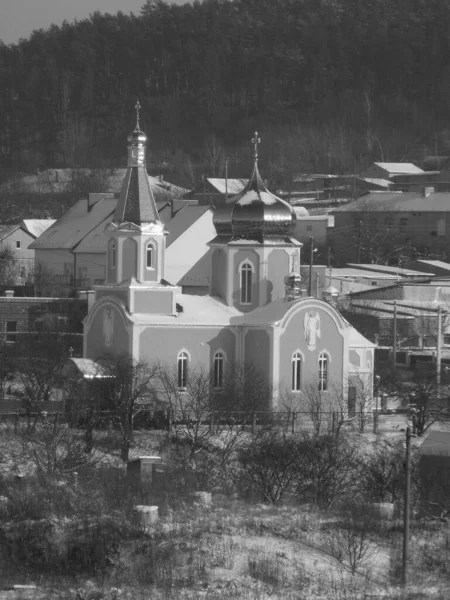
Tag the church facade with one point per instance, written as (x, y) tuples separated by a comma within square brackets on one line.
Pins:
[(255, 313)]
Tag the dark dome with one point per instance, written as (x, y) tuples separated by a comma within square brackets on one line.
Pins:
[(255, 214)]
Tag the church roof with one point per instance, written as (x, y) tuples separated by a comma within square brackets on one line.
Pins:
[(136, 203)]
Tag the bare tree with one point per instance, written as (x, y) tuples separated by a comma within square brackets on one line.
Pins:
[(131, 387), (421, 392), (214, 155)]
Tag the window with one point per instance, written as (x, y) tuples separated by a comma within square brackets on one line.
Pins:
[(246, 283), (446, 339), (182, 363), (113, 255), (403, 222), (309, 228), (149, 256), (323, 372), (296, 371), (18, 244), (11, 328), (219, 367)]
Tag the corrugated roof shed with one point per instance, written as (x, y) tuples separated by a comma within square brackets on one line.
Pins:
[(388, 269), (399, 168), (232, 186)]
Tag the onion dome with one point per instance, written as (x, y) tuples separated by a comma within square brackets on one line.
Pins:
[(137, 137), (255, 214)]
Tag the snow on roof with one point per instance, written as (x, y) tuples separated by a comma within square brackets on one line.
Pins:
[(232, 186), (195, 310), (36, 227), (90, 369), (387, 269), (385, 183), (400, 168), (346, 272)]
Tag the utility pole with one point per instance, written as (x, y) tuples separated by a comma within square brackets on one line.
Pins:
[(439, 349), (407, 507), (358, 252), (377, 388), (311, 261), (394, 338), (329, 259)]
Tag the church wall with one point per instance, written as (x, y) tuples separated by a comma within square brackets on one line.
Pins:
[(277, 269), (219, 273), (294, 338), (108, 333), (163, 344), (129, 259), (239, 258), (153, 301), (257, 344)]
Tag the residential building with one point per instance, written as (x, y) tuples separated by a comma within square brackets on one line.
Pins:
[(387, 170), (18, 239), (71, 254), (254, 314), (380, 227)]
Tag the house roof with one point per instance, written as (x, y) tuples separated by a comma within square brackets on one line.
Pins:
[(436, 443), (386, 307), (232, 186), (183, 219), (89, 369), (36, 227), (70, 229), (349, 272), (199, 274), (193, 231), (434, 263), (398, 202), (388, 270), (384, 183), (400, 168)]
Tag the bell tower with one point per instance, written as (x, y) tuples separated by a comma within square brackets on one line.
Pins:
[(137, 240)]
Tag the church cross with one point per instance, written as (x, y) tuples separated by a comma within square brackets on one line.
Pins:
[(256, 140), (137, 107)]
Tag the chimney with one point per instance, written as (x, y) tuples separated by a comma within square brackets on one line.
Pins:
[(161, 178), (90, 298), (9, 294), (426, 191)]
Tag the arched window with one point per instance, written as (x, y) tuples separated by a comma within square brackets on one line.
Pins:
[(296, 371), (113, 255), (219, 370), (182, 366), (246, 283), (149, 254), (323, 372)]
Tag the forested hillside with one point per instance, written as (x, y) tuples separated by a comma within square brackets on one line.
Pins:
[(330, 84)]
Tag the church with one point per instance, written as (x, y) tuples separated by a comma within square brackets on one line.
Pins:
[(256, 312)]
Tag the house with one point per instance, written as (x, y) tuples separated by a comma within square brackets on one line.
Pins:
[(388, 170), (255, 312), (71, 254), (315, 226), (214, 190), (18, 239), (376, 227)]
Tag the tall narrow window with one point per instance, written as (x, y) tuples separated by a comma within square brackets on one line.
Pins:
[(182, 362), (150, 251), (219, 368), (246, 283), (296, 371), (323, 372), (113, 255)]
